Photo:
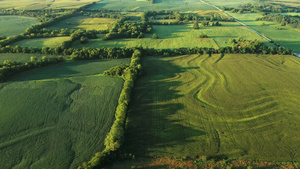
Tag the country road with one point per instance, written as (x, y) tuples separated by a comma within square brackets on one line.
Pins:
[(296, 54)]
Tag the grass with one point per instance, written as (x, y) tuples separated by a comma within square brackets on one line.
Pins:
[(236, 106), (15, 25), (229, 3), (41, 42), (70, 69), (45, 4), (49, 119), (176, 36), (20, 57), (83, 22), (136, 5), (287, 36)]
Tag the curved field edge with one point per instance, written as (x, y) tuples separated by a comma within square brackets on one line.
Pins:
[(232, 105)]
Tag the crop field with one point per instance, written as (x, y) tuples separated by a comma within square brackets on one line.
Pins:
[(49, 118), (83, 22), (176, 36), (286, 36), (236, 106), (15, 25), (41, 42), (142, 5), (43, 4), (21, 57), (230, 3)]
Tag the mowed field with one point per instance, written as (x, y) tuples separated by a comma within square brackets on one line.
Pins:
[(83, 22), (236, 106), (41, 42), (142, 5), (43, 4), (15, 25), (287, 36), (176, 36), (57, 118)]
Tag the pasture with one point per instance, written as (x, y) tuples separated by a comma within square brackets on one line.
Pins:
[(236, 106), (15, 25), (44, 4), (142, 5), (83, 22), (286, 36), (41, 42), (177, 36), (52, 120), (230, 3)]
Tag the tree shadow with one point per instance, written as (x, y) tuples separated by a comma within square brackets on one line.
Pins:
[(151, 126)]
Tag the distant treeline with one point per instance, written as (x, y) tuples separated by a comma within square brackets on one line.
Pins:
[(122, 29), (266, 8), (293, 21), (115, 138), (166, 14), (241, 46), (10, 68)]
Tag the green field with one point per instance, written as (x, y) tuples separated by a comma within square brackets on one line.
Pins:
[(229, 3), (15, 25), (41, 42), (49, 118), (83, 22), (43, 4), (70, 69), (21, 57), (287, 36), (142, 5), (236, 106), (176, 36)]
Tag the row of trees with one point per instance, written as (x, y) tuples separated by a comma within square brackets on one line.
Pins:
[(9, 68), (293, 21), (123, 29), (262, 8), (115, 138)]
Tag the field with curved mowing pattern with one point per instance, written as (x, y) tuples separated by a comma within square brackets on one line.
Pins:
[(238, 106)]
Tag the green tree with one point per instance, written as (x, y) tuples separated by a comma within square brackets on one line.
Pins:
[(154, 36), (196, 25)]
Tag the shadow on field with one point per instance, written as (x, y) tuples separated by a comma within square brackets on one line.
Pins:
[(151, 124), (61, 70)]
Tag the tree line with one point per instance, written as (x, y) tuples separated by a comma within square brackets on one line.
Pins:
[(265, 8), (122, 29), (10, 68), (293, 21), (115, 138)]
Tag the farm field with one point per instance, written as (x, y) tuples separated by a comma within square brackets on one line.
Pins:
[(176, 36), (142, 5), (44, 4), (41, 42), (70, 69), (230, 3), (290, 3), (21, 57), (83, 22), (287, 36), (15, 25), (236, 106), (60, 121)]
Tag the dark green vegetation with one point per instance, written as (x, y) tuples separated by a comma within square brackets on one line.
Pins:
[(213, 90), (218, 106), (60, 118), (14, 25)]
